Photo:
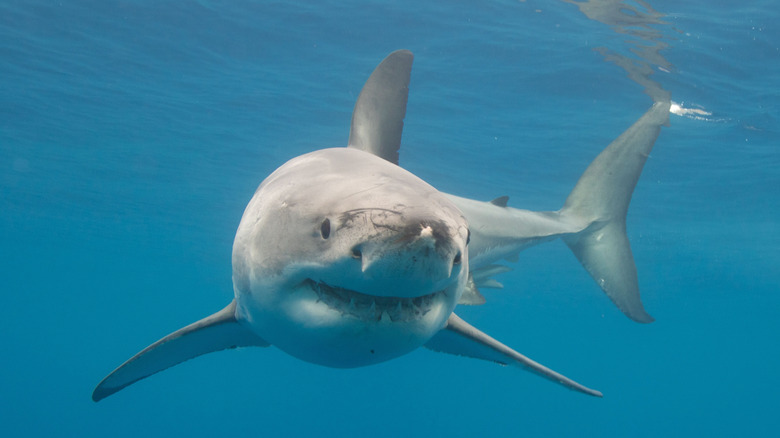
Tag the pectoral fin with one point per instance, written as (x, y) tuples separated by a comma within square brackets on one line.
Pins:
[(460, 338), (213, 333)]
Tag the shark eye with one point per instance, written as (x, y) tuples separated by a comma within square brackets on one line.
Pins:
[(357, 253), (325, 228), (456, 260)]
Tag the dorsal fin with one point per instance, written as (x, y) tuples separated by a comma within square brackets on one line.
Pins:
[(378, 117), (501, 201)]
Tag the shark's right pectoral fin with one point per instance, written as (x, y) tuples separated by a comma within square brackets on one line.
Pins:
[(219, 331), (462, 339)]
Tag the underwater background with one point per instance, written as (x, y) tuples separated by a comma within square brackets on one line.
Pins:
[(133, 133)]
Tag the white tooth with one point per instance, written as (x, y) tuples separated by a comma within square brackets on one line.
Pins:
[(385, 318), (352, 303), (372, 309), (398, 307)]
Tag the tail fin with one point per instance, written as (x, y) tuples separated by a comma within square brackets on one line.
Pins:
[(600, 201)]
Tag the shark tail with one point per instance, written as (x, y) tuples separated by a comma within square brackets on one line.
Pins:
[(599, 203)]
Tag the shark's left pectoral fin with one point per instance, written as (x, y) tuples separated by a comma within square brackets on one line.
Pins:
[(461, 338), (219, 331)]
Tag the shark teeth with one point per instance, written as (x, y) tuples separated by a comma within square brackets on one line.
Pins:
[(370, 307)]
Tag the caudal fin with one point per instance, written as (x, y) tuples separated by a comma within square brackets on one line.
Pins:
[(600, 202)]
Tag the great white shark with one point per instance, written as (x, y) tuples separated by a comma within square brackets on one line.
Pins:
[(342, 258)]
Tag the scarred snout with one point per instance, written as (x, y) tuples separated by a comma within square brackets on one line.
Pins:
[(411, 262)]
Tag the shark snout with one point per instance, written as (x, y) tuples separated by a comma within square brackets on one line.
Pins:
[(416, 261)]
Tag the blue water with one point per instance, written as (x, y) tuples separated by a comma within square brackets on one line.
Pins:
[(132, 135)]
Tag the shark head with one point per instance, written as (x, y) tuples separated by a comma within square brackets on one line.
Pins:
[(344, 259)]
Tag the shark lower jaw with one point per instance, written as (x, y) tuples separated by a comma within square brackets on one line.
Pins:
[(372, 308), (341, 328)]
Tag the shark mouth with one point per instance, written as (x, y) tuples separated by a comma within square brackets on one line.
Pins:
[(371, 307)]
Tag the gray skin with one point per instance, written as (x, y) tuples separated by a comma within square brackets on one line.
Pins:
[(344, 259), (336, 221)]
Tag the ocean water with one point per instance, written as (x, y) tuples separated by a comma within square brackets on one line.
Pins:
[(132, 135)]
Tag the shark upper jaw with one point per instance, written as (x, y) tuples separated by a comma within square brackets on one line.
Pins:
[(370, 308), (325, 304), (390, 294)]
